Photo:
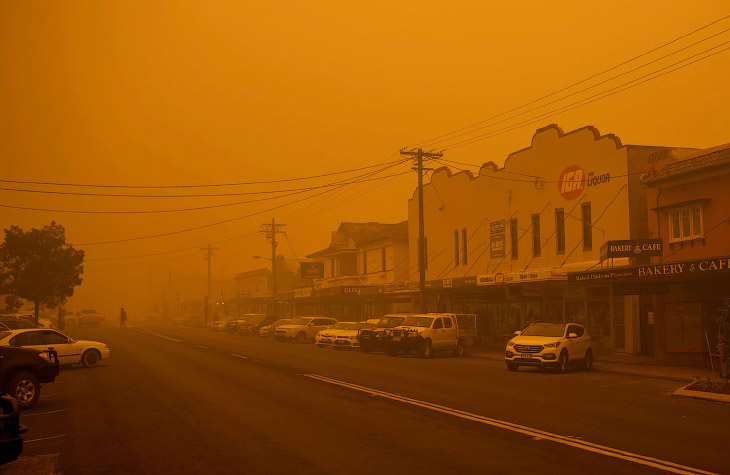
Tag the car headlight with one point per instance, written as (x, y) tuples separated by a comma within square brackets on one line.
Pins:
[(353, 337), (511, 343), (554, 344)]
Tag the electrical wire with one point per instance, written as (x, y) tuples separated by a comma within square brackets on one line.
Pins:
[(579, 82)]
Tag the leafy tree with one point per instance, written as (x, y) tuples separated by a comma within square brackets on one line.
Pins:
[(722, 319), (39, 266)]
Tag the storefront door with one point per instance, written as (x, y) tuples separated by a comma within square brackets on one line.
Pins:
[(646, 322)]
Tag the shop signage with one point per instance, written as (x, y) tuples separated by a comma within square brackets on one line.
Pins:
[(643, 288), (632, 248), (312, 270), (496, 239), (485, 279), (573, 180), (303, 292), (351, 290), (684, 268), (499, 278)]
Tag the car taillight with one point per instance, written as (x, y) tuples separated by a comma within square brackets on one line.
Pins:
[(45, 356)]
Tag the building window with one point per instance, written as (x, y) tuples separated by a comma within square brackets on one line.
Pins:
[(456, 247), (560, 230), (464, 241), (587, 226), (685, 223), (536, 235), (365, 262), (513, 237)]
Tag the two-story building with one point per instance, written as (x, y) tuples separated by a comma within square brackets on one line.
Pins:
[(361, 259), (500, 243)]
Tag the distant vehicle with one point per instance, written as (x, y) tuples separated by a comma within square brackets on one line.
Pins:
[(554, 345), (251, 323), (427, 333), (218, 325), (348, 339), (268, 330), (327, 336), (69, 351), (22, 370), (372, 339), (302, 329), (11, 443), (89, 318), (15, 321)]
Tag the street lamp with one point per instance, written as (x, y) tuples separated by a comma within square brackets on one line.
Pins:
[(273, 278)]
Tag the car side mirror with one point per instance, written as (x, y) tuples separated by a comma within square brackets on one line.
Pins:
[(572, 335), (310, 324), (518, 333)]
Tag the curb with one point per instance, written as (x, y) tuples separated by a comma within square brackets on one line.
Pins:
[(701, 394), (599, 369)]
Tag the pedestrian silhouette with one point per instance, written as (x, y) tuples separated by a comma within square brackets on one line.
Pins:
[(122, 318)]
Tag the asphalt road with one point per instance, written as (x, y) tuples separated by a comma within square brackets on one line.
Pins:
[(180, 400)]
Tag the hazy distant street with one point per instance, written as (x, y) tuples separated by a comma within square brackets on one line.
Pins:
[(203, 402)]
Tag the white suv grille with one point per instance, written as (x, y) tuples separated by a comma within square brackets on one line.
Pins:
[(528, 348)]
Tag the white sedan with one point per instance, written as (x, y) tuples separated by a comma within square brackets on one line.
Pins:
[(70, 351)]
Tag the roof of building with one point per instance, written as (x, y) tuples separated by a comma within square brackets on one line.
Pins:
[(701, 161), (363, 233)]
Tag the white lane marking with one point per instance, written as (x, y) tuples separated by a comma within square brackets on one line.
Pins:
[(43, 413), (49, 395), (570, 441), (239, 356), (146, 330), (43, 438), (201, 346), (629, 382)]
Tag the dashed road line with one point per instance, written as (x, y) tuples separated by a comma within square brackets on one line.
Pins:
[(239, 356), (201, 346), (43, 413), (529, 431), (628, 382), (43, 438), (146, 330)]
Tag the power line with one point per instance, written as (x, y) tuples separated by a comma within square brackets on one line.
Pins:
[(586, 101), (97, 185), (577, 83)]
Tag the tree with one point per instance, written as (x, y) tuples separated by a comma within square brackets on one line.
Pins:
[(39, 266), (722, 319)]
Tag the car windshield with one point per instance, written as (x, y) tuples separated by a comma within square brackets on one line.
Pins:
[(359, 326), (418, 322), (281, 321), (254, 319), (390, 322), (300, 321), (544, 329)]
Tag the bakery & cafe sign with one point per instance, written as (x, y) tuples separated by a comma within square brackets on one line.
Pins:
[(683, 268), (632, 248)]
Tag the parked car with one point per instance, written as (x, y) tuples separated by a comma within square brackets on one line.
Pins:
[(15, 321), (348, 338), (219, 325), (249, 324), (11, 442), (69, 351), (89, 318), (428, 333), (554, 345), (302, 329), (268, 330), (22, 370), (327, 336), (372, 339)]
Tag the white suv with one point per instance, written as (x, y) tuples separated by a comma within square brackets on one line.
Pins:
[(302, 329), (554, 345)]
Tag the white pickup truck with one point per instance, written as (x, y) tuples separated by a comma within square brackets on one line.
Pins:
[(430, 332)]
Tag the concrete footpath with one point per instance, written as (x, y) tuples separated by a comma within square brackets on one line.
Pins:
[(631, 365)]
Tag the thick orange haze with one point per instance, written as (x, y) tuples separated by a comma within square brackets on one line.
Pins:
[(190, 92)]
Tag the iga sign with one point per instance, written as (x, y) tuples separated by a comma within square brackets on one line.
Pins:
[(312, 270), (573, 181)]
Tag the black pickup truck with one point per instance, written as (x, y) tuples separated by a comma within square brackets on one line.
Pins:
[(22, 370), (372, 339)]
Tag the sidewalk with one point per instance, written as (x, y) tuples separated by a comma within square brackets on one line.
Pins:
[(616, 363)]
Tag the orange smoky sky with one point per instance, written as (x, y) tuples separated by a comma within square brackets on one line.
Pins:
[(194, 92)]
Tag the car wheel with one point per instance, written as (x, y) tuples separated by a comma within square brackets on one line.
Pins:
[(588, 360), (90, 358), (426, 349), (26, 388), (460, 349), (512, 366), (301, 337), (562, 365)]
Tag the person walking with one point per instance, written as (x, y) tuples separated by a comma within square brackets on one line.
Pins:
[(122, 318)]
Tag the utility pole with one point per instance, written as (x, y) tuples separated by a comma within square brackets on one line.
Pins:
[(209, 251), (271, 230), (418, 155)]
